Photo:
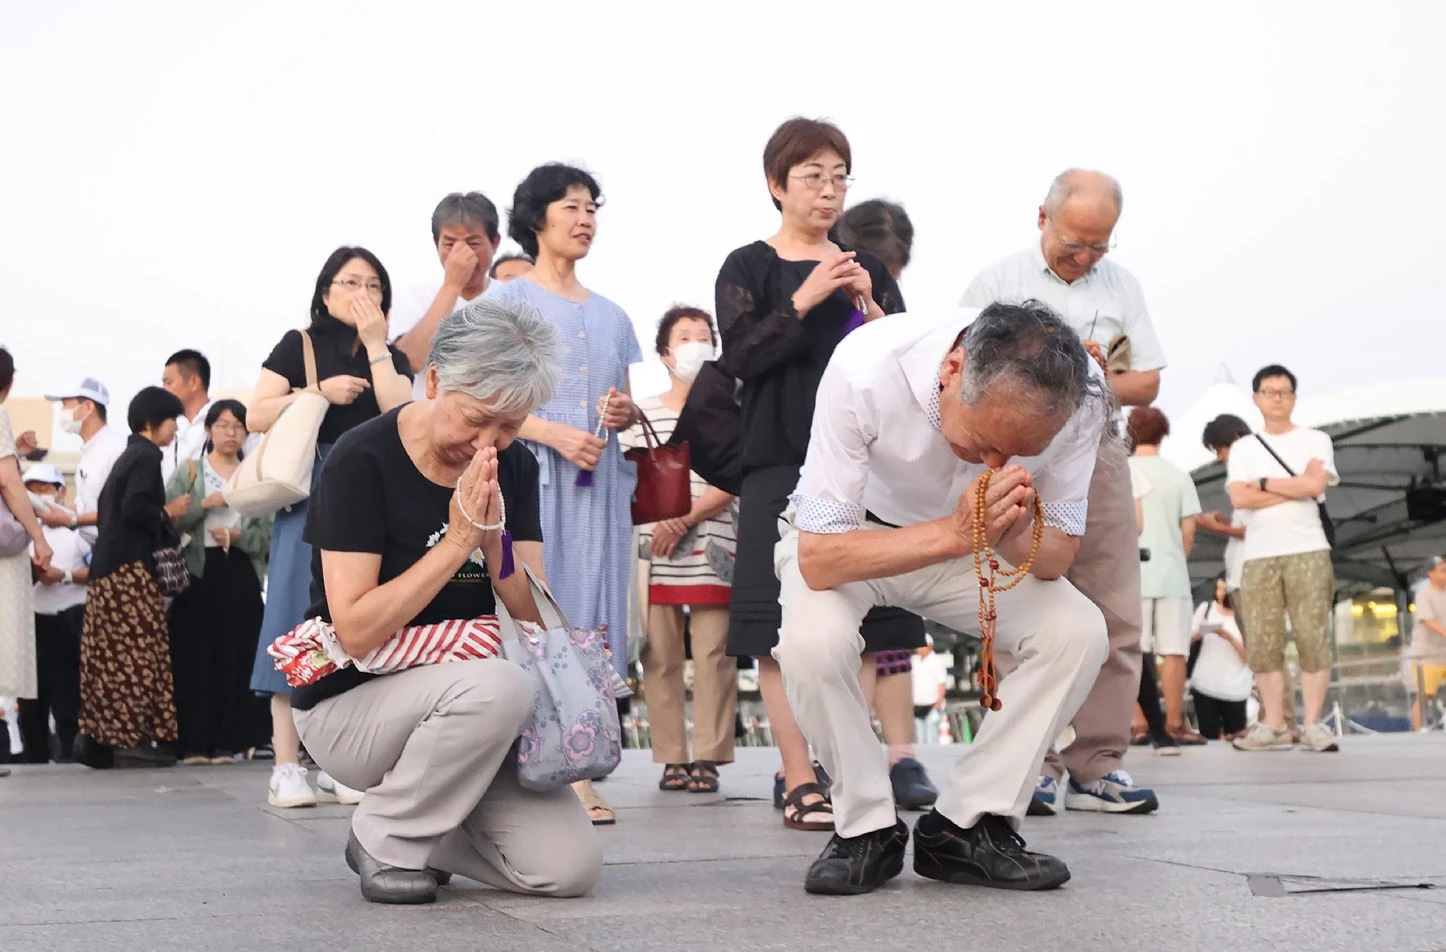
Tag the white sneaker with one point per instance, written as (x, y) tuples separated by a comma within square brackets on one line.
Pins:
[(329, 790), (1320, 739), (289, 787)]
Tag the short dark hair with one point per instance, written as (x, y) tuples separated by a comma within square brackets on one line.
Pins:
[(505, 259), (235, 407), (338, 260), (102, 412), (682, 312), (1271, 370), (1148, 426), (152, 407), (881, 228), (1223, 431), (467, 209), (543, 186), (192, 363), (7, 370), (794, 142)]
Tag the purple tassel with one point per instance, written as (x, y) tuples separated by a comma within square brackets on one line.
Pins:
[(855, 321), (508, 565), (584, 478)]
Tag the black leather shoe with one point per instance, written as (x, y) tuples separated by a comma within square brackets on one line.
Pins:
[(94, 755), (912, 787), (389, 884), (989, 853), (858, 864)]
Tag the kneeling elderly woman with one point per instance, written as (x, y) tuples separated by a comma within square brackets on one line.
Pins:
[(396, 526)]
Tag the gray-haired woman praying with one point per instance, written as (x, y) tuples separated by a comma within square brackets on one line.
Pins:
[(417, 520)]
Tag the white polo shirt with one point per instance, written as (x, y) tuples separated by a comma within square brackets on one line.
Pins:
[(1106, 302), (189, 440), (96, 460), (408, 306), (876, 445), (69, 550)]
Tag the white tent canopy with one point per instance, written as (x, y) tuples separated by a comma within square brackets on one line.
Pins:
[(1390, 509), (1224, 395)]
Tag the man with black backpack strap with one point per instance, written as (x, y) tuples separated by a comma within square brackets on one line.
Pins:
[(1278, 480)]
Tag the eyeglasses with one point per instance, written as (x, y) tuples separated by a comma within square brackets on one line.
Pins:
[(1075, 247), (228, 427), (1270, 393), (352, 284), (816, 180)]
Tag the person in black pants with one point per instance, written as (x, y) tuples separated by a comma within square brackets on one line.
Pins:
[(215, 622), (59, 615)]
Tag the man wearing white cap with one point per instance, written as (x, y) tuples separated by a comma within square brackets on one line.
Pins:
[(59, 613), (83, 414)]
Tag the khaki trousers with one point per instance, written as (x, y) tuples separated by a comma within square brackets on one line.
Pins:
[(1106, 571), (715, 685), (1055, 635), (432, 748)]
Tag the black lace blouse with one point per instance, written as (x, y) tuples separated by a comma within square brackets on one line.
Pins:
[(778, 357)]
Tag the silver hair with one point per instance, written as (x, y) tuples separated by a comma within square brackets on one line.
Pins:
[(1071, 181), (504, 353), (1026, 352)]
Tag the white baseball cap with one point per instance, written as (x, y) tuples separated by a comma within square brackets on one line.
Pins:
[(88, 389), (43, 473)]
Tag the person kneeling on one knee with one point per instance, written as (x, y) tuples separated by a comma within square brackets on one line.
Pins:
[(912, 413), (407, 522)]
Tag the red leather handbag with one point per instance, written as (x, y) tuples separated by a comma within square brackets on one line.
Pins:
[(665, 489)]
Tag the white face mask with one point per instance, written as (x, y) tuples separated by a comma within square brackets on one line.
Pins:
[(689, 358), (71, 424)]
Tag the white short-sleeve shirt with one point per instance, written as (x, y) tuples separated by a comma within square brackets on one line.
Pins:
[(408, 306), (875, 445), (96, 460), (1105, 303), (1292, 527)]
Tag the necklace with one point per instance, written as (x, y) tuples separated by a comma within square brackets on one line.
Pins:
[(993, 580)]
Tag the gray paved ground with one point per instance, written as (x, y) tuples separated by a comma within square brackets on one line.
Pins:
[(188, 858)]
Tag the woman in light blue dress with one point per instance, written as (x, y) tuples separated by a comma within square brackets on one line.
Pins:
[(586, 485)]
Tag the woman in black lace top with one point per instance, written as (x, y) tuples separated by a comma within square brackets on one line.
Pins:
[(783, 305)]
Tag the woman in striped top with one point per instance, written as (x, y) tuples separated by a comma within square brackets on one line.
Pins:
[(688, 563)]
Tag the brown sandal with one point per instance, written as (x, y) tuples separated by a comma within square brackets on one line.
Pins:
[(798, 815), (597, 811), (676, 777), (703, 778)]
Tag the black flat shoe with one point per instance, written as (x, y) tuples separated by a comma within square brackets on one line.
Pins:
[(912, 788), (989, 853), (389, 884), (858, 864), (93, 755)]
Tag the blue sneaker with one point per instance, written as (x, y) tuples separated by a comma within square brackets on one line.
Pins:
[(1113, 793), (1045, 801)]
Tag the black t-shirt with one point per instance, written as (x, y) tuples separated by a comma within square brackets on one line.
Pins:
[(337, 353), (372, 498)]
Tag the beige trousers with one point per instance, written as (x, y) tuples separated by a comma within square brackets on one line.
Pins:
[(715, 685), (432, 748), (1055, 635), (1106, 571)]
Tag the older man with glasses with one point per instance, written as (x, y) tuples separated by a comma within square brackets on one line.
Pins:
[(1104, 304)]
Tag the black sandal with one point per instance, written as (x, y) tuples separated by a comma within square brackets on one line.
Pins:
[(703, 778), (815, 817), (676, 777)]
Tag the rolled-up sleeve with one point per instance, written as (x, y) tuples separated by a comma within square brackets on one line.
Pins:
[(1064, 483), (829, 497)]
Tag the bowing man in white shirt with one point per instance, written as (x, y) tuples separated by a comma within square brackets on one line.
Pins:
[(911, 413)]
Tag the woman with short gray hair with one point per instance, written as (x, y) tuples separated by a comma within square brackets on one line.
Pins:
[(409, 521)]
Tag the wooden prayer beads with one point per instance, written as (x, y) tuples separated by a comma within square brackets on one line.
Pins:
[(990, 585)]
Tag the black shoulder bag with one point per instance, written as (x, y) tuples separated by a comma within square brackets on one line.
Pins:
[(1325, 517)]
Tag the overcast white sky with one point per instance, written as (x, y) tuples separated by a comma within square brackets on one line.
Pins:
[(175, 174)]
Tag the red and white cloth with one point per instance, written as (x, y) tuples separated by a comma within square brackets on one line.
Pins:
[(311, 650)]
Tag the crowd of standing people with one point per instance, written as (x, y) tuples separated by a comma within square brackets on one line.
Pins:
[(840, 442)]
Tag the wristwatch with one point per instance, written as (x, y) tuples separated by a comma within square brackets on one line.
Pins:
[(75, 521), (68, 578), (1263, 481)]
